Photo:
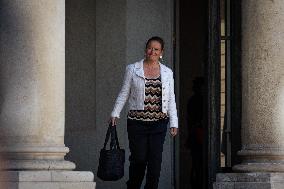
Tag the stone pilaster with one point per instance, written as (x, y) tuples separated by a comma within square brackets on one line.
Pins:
[(263, 84)]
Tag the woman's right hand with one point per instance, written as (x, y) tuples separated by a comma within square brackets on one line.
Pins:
[(113, 121)]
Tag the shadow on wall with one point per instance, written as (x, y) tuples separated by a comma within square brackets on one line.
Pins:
[(80, 89)]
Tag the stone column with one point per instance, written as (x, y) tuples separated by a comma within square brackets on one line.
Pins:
[(262, 150), (32, 83), (32, 96), (263, 86)]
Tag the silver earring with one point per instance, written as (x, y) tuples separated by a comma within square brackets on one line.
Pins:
[(161, 59)]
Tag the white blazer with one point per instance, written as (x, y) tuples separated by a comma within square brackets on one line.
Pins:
[(133, 89)]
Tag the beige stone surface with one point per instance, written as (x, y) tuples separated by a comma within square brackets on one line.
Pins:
[(262, 81), (55, 185), (32, 83), (44, 176), (32, 70), (47, 179), (32, 97), (263, 73), (249, 181)]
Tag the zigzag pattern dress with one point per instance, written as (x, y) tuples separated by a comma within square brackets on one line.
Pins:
[(152, 104)]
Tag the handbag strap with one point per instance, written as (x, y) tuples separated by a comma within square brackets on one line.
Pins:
[(116, 145), (111, 132), (107, 136)]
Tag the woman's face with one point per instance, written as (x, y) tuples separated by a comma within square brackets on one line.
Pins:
[(154, 51)]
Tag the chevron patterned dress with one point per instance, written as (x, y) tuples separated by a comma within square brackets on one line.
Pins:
[(152, 104)]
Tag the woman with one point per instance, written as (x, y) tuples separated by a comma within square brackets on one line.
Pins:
[(149, 86)]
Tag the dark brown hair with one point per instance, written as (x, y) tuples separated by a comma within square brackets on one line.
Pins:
[(158, 39)]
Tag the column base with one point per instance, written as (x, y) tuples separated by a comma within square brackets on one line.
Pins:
[(38, 165), (261, 160), (47, 180), (249, 181), (29, 157)]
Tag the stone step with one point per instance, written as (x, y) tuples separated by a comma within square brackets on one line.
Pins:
[(47, 180), (259, 180)]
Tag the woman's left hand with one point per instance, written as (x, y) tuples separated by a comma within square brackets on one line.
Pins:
[(173, 131)]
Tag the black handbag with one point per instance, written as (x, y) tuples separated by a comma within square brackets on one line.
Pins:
[(111, 162)]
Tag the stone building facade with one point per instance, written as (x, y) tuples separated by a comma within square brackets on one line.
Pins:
[(62, 64)]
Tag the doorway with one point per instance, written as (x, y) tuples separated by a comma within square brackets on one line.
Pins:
[(192, 52), (209, 84)]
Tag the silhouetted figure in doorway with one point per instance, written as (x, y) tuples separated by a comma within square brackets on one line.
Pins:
[(195, 139)]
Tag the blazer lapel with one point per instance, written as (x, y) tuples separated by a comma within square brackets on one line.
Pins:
[(163, 73), (139, 69)]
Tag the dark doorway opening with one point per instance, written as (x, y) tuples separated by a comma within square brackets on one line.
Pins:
[(206, 91), (192, 53)]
